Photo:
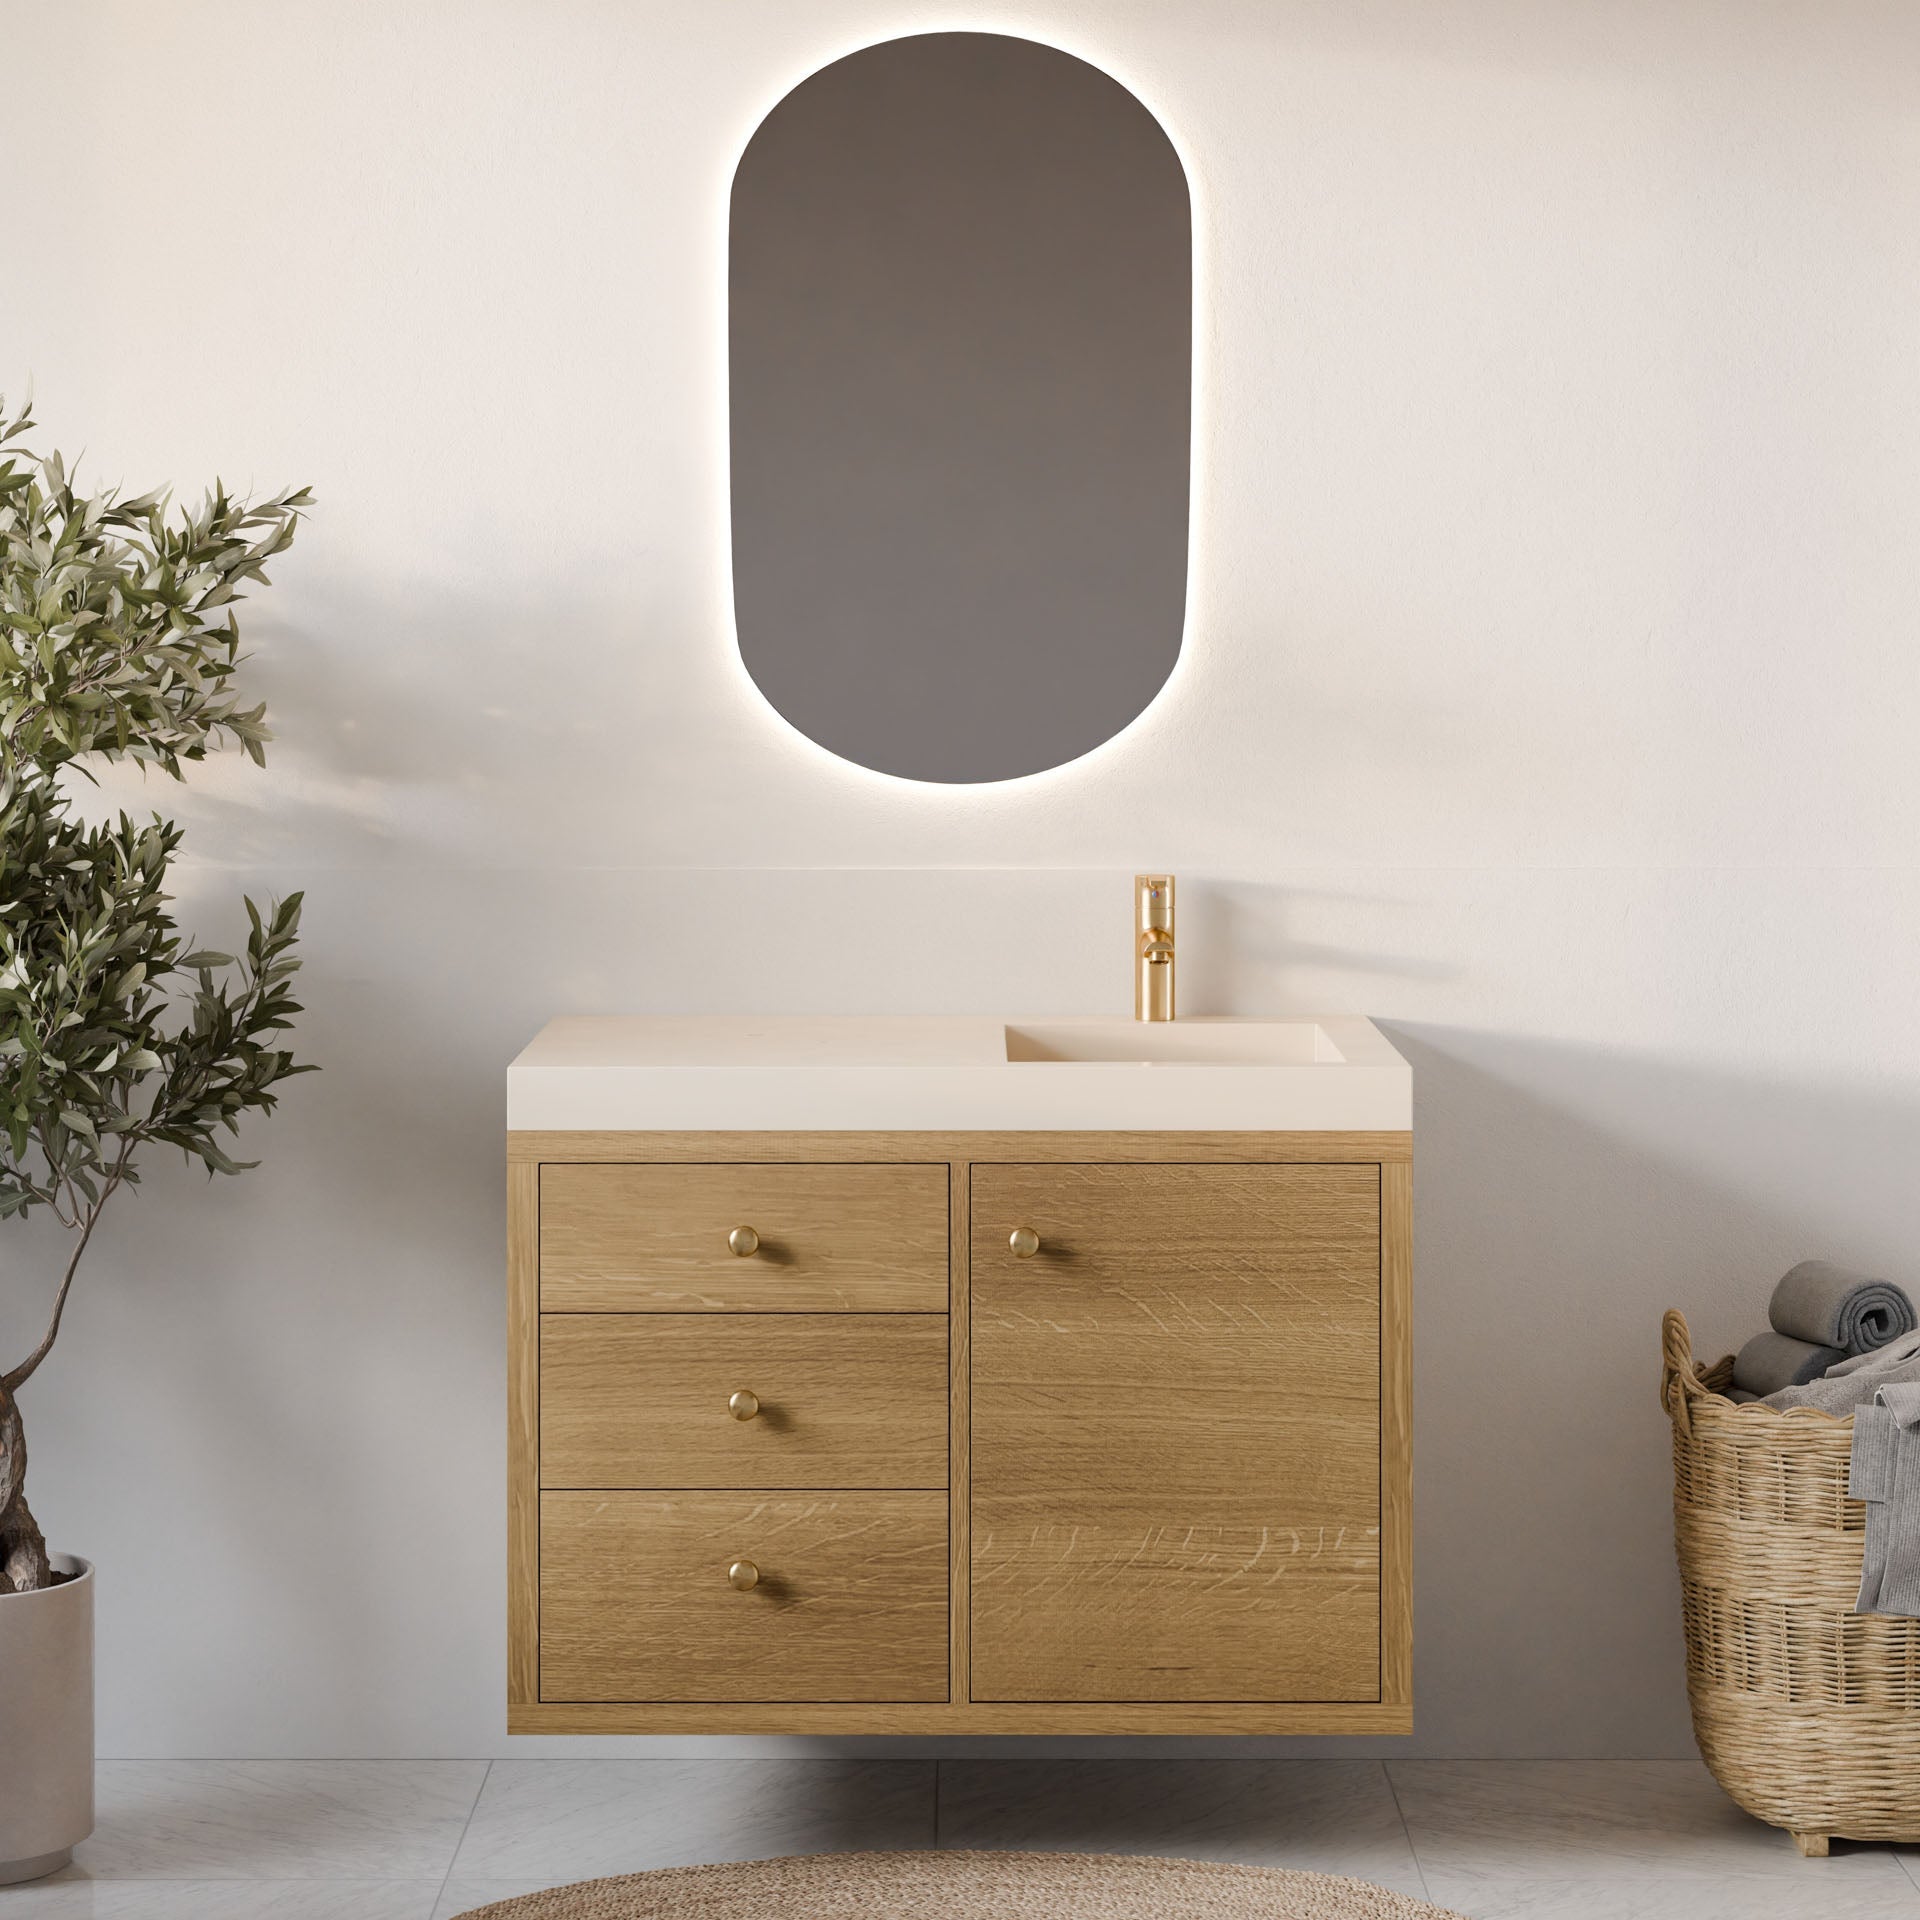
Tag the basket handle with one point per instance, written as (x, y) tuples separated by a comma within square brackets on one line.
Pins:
[(1680, 1382)]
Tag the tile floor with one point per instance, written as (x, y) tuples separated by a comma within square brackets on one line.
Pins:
[(425, 1840)]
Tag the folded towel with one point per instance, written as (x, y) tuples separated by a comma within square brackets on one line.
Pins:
[(1885, 1473), (1770, 1361), (1829, 1306), (1853, 1383)]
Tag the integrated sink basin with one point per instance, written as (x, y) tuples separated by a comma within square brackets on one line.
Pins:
[(859, 1073), (1194, 1043)]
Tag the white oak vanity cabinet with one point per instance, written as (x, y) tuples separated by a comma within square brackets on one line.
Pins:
[(995, 1430)]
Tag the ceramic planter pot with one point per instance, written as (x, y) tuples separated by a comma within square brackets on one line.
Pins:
[(46, 1723)]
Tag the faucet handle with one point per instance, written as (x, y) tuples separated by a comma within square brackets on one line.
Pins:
[(1153, 901), (1153, 939)]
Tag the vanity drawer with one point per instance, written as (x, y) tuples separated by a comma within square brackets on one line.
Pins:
[(844, 1399), (636, 1600), (620, 1238)]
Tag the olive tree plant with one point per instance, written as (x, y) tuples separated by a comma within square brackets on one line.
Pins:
[(117, 641)]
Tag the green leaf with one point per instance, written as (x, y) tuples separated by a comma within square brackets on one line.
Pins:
[(118, 639)]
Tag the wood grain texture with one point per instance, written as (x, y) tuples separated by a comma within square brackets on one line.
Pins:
[(963, 1717), (833, 1238), (1176, 1433), (851, 1604), (846, 1400), (960, 1418), (588, 1146), (523, 1448), (955, 1713), (1396, 1434)]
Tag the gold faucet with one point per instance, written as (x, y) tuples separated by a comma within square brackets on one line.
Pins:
[(1153, 962)]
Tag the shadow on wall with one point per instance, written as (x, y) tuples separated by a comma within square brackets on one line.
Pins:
[(294, 1380), (1241, 950), (1564, 1196), (418, 736), (284, 1391)]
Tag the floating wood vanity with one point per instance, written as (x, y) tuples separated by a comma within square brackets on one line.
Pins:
[(847, 1422)]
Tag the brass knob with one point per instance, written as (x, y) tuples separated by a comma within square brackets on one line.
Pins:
[(743, 1241), (743, 1576), (743, 1405), (1024, 1242)]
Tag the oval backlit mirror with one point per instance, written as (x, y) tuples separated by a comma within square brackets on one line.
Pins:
[(960, 338)]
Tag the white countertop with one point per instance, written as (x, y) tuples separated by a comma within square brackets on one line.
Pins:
[(932, 1073)]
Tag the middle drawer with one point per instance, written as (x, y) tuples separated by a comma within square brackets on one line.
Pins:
[(655, 1399)]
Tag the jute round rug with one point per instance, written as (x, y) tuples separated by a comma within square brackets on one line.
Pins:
[(966, 1886)]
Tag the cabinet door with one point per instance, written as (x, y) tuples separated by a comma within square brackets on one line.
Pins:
[(1176, 1433)]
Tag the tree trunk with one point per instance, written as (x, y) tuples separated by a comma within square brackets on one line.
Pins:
[(23, 1549)]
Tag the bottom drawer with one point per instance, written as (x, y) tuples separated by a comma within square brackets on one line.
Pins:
[(637, 1603)]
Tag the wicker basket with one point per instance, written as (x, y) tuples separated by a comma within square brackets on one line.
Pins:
[(1806, 1712)]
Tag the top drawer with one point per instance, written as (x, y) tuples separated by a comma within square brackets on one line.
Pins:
[(824, 1239)]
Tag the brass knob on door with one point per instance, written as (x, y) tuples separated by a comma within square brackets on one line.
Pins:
[(743, 1241), (1024, 1242), (743, 1405), (743, 1576)]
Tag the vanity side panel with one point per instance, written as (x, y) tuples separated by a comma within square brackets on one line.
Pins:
[(523, 1434), (1396, 1435), (960, 1428)]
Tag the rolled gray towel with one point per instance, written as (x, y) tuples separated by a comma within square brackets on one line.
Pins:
[(1829, 1306), (1770, 1361)]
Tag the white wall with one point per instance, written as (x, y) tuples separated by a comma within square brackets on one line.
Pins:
[(1551, 696)]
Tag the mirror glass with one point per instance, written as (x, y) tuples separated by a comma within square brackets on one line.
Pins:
[(960, 338)]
